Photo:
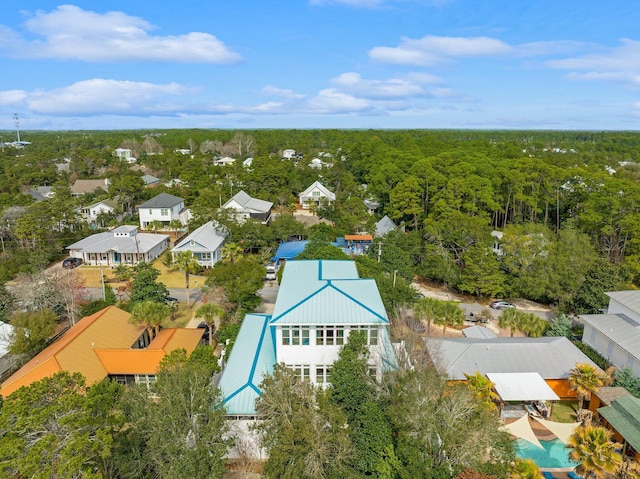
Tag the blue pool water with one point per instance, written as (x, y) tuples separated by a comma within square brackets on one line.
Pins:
[(554, 453)]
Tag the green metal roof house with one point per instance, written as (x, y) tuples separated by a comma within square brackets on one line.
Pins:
[(623, 415)]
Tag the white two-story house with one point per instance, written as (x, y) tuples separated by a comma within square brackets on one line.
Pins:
[(319, 303), (163, 208), (314, 194), (616, 333)]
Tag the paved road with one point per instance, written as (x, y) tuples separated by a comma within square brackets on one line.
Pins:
[(195, 294)]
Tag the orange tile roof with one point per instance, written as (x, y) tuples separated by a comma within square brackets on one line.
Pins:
[(99, 345), (358, 237)]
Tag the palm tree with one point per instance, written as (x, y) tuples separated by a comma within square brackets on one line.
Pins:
[(426, 309), (449, 314), (185, 261), (594, 449), (524, 469), (230, 252), (209, 312), (150, 314), (530, 324), (509, 319), (629, 469), (482, 388), (585, 379)]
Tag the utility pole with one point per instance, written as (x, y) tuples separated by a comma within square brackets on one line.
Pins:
[(379, 251), (104, 293), (16, 118)]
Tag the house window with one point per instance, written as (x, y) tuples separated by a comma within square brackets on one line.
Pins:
[(146, 380), (205, 255), (329, 335), (164, 212), (301, 371), (295, 335), (323, 374), (371, 333), (315, 194), (150, 212)]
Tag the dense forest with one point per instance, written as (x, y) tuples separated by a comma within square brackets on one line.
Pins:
[(566, 203)]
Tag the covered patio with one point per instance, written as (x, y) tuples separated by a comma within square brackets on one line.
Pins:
[(523, 394)]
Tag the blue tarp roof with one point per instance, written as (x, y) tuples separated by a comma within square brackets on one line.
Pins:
[(290, 249)]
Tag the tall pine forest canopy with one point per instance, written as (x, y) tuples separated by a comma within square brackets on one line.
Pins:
[(565, 203)]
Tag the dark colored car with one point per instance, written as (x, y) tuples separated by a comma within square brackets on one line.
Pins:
[(71, 263), (205, 333), (501, 305), (170, 300)]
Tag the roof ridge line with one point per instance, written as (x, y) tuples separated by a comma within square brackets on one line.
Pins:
[(299, 303), (359, 303)]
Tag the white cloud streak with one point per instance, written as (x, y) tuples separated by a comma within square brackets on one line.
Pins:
[(71, 33), (97, 96), (432, 50)]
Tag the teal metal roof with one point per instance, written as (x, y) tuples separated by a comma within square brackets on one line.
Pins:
[(624, 416), (327, 292), (252, 358)]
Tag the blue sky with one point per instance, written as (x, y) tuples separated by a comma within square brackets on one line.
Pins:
[(475, 64)]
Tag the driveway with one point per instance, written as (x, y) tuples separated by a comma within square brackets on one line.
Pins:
[(268, 293)]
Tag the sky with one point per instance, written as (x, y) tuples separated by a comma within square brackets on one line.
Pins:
[(392, 64)]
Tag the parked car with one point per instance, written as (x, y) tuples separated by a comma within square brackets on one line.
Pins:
[(71, 263), (170, 300), (501, 305), (206, 332), (271, 273)]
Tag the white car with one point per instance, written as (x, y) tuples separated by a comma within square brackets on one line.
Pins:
[(271, 273)]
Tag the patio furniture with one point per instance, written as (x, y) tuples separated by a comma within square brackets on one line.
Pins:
[(542, 407), (548, 475), (531, 410)]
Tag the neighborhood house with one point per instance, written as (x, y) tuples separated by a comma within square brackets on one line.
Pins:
[(121, 245), (163, 209), (103, 345), (205, 244)]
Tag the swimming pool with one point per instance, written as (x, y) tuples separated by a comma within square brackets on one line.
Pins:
[(553, 455)]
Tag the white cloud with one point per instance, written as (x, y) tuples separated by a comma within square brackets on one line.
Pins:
[(281, 92), (348, 93), (615, 65), (98, 96), (12, 97), (70, 33), (432, 50), (410, 86), (331, 101)]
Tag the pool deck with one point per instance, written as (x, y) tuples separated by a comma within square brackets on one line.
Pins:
[(544, 434)]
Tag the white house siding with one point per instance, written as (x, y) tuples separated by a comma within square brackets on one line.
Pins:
[(316, 356), (617, 308), (164, 215), (615, 354), (239, 211)]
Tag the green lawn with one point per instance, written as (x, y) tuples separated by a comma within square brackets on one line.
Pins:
[(564, 411)]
